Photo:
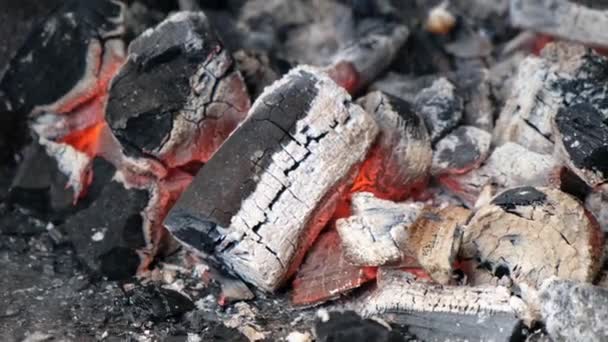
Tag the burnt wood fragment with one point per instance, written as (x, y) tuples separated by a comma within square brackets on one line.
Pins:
[(530, 234), (440, 107), (179, 95), (156, 303), (348, 326), (461, 151), (258, 204)]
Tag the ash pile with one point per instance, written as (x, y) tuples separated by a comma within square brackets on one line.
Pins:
[(304, 170)]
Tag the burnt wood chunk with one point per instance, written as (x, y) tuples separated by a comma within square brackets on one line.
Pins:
[(581, 134), (440, 107), (580, 21), (258, 204), (597, 203), (437, 313), (179, 94), (348, 326), (376, 234), (461, 151), (574, 311), (530, 234), (400, 159)]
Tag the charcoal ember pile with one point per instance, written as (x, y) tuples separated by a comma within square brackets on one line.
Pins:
[(303, 170)]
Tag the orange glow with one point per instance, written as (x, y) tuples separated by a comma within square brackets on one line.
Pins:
[(540, 42), (86, 140), (346, 75)]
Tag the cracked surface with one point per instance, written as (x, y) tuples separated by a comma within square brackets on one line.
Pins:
[(179, 94), (262, 199), (530, 234)]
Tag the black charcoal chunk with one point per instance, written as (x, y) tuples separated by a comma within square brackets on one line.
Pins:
[(440, 107), (462, 150), (157, 303), (348, 326), (523, 196)]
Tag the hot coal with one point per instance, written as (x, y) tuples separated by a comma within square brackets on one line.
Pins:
[(348, 326), (179, 95), (440, 107), (157, 303), (462, 150), (302, 142), (530, 234)]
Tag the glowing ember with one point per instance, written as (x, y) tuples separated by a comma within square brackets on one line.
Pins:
[(86, 140)]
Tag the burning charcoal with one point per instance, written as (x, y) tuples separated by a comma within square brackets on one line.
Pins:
[(461, 151), (571, 20), (178, 96), (510, 165), (367, 56), (258, 69), (474, 85), (439, 313), (348, 326), (402, 86), (157, 303), (435, 238), (581, 134), (597, 203), (530, 234), (440, 108), (325, 274), (258, 204), (574, 311), (377, 232), (87, 31), (400, 159)]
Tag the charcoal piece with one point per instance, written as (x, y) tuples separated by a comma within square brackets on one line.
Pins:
[(376, 232), (139, 17), (400, 159), (109, 233), (422, 54), (509, 165), (597, 203), (258, 69), (87, 31), (178, 96), (296, 153), (461, 151), (326, 274), (582, 140), (436, 313), (470, 44), (348, 326), (573, 311), (440, 107), (530, 234), (474, 85), (572, 20), (371, 52), (402, 86), (157, 303)]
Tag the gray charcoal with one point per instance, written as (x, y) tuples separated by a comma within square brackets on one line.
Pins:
[(348, 326), (460, 151), (157, 303), (440, 107)]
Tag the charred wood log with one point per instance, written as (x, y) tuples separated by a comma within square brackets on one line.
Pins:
[(258, 204), (459, 152), (530, 234), (179, 95)]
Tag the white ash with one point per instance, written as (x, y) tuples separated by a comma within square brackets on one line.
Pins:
[(71, 162)]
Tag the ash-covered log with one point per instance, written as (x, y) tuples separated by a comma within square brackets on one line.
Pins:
[(70, 91), (377, 232), (529, 234), (400, 159), (440, 107), (462, 150), (260, 202), (580, 21), (179, 94), (438, 313)]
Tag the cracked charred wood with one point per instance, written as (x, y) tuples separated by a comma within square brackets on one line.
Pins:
[(435, 239), (573, 311), (565, 75), (462, 150), (179, 95), (437, 313), (440, 107), (581, 135), (348, 326), (580, 21), (368, 55), (326, 274), (530, 234), (400, 160), (90, 33), (509, 165), (376, 234), (260, 202)]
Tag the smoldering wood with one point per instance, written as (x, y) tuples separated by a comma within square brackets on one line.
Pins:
[(258, 204), (529, 234), (440, 107), (179, 95), (571, 20), (400, 159), (377, 232), (462, 150), (574, 311), (435, 312), (509, 165), (326, 274)]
